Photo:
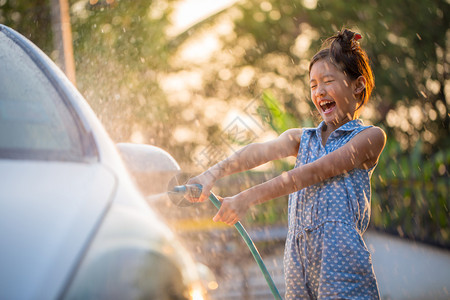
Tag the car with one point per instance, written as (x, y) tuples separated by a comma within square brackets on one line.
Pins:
[(73, 222)]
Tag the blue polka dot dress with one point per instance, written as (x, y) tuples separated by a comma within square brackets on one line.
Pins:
[(325, 255)]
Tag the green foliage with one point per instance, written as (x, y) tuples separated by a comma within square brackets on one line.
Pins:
[(30, 18), (410, 194), (278, 119)]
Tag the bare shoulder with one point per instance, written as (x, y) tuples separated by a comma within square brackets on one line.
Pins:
[(293, 134), (286, 144), (369, 143), (375, 136), (289, 141)]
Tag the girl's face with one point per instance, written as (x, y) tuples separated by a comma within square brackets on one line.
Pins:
[(333, 93)]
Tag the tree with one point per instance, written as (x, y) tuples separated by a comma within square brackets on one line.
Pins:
[(62, 37)]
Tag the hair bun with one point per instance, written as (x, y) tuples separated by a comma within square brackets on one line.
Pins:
[(346, 39)]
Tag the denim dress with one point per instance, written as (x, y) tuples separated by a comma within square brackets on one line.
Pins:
[(325, 255)]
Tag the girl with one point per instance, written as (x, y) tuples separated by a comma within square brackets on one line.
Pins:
[(329, 187)]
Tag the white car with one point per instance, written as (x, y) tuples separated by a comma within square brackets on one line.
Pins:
[(73, 224)]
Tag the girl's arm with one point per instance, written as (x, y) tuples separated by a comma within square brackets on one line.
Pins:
[(249, 157), (362, 151)]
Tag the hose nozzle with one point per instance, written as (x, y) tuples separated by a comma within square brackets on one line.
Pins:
[(193, 190)]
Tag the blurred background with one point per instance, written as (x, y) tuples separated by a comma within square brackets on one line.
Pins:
[(201, 78)]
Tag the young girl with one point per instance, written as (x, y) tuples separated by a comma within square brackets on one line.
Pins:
[(329, 187)]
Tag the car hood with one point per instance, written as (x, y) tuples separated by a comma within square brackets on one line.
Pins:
[(48, 213)]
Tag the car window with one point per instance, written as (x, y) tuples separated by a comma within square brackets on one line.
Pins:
[(35, 123)]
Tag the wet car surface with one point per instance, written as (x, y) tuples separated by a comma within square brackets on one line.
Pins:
[(73, 224)]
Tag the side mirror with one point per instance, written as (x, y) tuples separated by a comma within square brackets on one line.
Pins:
[(151, 167)]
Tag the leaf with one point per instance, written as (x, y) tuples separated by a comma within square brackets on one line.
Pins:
[(274, 115)]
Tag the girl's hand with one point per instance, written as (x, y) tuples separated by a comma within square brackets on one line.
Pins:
[(232, 210), (207, 180)]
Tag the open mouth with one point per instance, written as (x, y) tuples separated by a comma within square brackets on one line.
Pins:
[(327, 105)]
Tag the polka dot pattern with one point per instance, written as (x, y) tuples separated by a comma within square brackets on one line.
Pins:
[(325, 255)]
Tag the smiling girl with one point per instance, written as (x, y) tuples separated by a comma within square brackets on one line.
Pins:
[(329, 187)]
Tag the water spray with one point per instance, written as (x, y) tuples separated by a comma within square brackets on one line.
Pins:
[(194, 191)]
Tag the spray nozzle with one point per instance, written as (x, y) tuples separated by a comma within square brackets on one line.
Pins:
[(193, 190)]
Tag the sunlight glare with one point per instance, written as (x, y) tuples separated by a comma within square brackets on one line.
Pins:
[(200, 49), (190, 12), (246, 76), (310, 4), (304, 39)]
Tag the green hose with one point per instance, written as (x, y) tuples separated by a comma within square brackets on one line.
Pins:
[(253, 250)]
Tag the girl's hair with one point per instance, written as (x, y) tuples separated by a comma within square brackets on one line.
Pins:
[(344, 51)]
